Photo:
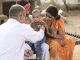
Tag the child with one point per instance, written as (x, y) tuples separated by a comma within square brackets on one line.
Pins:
[(36, 16)]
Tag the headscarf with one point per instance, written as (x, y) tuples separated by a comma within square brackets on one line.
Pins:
[(27, 6)]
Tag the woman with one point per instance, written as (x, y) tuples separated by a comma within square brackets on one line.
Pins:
[(61, 47)]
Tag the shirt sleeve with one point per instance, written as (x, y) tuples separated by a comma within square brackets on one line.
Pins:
[(33, 36), (27, 47)]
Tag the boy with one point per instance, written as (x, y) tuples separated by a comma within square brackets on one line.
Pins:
[(36, 24)]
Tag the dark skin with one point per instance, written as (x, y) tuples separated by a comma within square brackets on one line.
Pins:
[(22, 19)]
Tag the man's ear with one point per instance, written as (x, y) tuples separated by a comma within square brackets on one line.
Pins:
[(19, 18)]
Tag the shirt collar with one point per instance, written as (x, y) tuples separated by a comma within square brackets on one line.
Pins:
[(13, 20)]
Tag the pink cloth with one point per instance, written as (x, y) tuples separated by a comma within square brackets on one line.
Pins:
[(27, 6)]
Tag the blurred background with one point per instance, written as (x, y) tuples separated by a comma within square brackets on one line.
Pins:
[(70, 10)]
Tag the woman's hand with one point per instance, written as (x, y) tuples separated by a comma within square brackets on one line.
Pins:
[(61, 42)]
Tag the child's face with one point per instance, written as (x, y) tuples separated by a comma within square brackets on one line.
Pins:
[(36, 17)]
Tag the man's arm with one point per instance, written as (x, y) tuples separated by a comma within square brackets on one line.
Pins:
[(32, 35), (28, 51)]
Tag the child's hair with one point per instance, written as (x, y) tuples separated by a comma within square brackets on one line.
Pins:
[(36, 11)]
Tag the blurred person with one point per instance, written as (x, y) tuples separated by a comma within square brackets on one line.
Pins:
[(61, 47), (44, 51), (39, 46), (36, 16), (28, 16), (14, 33)]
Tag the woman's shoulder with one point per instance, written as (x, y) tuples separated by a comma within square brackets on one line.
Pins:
[(60, 20)]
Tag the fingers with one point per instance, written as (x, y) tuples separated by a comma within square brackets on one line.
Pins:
[(28, 53)]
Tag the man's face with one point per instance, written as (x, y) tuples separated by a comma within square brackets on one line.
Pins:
[(22, 17)]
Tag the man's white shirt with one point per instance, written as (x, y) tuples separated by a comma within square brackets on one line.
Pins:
[(12, 39)]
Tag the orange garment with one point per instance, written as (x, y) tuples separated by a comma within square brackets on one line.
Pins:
[(56, 50)]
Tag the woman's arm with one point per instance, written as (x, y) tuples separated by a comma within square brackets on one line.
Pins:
[(59, 34), (47, 33)]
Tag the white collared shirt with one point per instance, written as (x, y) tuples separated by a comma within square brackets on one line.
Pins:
[(12, 37)]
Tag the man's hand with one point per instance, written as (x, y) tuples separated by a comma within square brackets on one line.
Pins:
[(28, 53), (37, 26)]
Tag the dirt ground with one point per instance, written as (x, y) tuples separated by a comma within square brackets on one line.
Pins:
[(73, 22), (73, 26)]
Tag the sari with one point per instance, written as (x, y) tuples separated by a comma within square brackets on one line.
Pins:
[(57, 51)]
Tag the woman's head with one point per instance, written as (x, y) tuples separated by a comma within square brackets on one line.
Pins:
[(27, 7), (25, 4), (53, 11)]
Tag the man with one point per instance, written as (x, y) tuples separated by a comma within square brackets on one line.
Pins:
[(13, 34)]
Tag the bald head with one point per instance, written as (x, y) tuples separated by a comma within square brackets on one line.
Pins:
[(15, 10)]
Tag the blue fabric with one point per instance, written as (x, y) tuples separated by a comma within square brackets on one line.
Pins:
[(36, 47)]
